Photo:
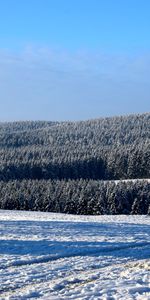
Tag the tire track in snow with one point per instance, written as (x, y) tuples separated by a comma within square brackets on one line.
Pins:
[(57, 285), (106, 249)]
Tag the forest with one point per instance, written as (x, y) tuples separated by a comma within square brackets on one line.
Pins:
[(72, 166)]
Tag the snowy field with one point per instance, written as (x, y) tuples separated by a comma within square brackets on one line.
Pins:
[(55, 256)]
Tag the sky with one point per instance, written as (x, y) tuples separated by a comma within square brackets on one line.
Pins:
[(74, 59)]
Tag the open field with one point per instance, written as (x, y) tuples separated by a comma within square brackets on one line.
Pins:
[(57, 256)]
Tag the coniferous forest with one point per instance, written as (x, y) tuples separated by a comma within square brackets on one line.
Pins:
[(71, 167)]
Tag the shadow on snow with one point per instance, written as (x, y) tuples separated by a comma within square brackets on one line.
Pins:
[(47, 247)]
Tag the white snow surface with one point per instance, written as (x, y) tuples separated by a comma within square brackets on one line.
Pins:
[(57, 256)]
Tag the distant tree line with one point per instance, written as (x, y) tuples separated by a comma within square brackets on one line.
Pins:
[(113, 163), (61, 154), (111, 148)]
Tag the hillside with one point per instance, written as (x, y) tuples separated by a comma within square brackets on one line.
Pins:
[(46, 164)]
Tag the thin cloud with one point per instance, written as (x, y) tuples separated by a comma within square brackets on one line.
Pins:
[(40, 83)]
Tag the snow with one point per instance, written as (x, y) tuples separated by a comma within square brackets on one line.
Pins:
[(130, 180), (58, 256)]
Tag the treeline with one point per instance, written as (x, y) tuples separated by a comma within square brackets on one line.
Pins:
[(108, 164), (104, 131), (77, 196), (110, 148), (60, 166)]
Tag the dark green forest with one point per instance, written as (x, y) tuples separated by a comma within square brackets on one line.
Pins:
[(71, 166)]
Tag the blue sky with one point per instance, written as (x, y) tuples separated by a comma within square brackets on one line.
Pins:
[(74, 59)]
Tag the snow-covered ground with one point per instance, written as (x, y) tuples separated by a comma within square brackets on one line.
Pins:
[(129, 180), (55, 256)]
